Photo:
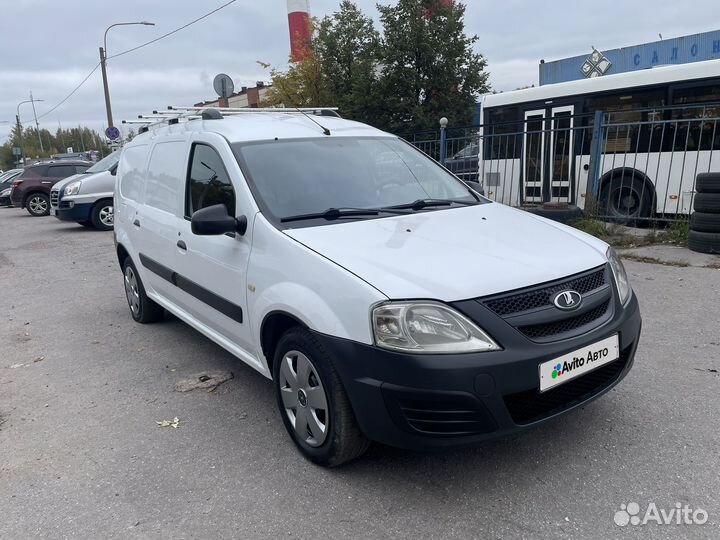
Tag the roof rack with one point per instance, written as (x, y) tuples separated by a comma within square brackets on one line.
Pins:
[(174, 114)]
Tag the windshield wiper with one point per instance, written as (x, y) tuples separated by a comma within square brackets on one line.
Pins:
[(332, 214), (428, 203)]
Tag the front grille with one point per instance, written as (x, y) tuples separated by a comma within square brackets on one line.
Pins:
[(54, 197), (523, 301), (446, 416), (530, 406), (539, 331)]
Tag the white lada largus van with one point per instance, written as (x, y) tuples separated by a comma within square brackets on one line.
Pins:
[(385, 299)]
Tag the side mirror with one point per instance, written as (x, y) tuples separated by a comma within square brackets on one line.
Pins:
[(476, 186), (214, 220)]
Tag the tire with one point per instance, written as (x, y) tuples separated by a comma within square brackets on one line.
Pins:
[(707, 202), (705, 222), (708, 183), (298, 352), (101, 215), (626, 200), (562, 213), (38, 205), (142, 309), (704, 242)]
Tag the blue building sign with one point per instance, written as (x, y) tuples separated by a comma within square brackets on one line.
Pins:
[(682, 50)]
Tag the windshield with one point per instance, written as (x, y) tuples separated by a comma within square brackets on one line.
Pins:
[(9, 175), (106, 163), (297, 177)]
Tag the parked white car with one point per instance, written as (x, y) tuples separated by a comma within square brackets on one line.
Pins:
[(386, 299)]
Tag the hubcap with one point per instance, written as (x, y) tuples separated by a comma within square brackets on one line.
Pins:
[(106, 215), (131, 291), (626, 201), (303, 398), (37, 205)]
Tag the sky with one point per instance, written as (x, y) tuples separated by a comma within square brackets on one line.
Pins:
[(50, 46)]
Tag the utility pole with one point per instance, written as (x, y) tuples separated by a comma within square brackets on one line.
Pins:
[(103, 65), (37, 125), (108, 108), (18, 134)]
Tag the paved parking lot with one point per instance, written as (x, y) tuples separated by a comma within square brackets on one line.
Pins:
[(81, 455)]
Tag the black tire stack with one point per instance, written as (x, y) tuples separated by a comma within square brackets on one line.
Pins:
[(705, 221)]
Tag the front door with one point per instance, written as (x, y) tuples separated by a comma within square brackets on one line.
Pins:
[(212, 270), (547, 155)]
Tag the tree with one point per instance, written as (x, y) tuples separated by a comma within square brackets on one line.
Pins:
[(430, 67), (348, 48), (424, 67)]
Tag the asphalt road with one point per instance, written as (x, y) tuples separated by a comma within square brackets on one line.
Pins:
[(81, 456)]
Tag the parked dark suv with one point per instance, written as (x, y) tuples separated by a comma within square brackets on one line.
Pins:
[(31, 189)]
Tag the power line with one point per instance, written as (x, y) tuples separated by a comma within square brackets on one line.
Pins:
[(71, 93), (135, 49), (173, 31)]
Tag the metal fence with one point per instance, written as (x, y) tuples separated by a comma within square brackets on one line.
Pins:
[(611, 165)]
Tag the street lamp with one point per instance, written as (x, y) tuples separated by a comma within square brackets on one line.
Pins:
[(103, 59), (19, 127)]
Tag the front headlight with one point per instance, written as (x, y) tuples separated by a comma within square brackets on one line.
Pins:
[(427, 327), (620, 275), (72, 188)]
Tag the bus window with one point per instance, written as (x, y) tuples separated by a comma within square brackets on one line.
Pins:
[(701, 127), (502, 133), (623, 112)]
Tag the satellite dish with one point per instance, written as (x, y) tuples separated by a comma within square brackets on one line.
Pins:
[(223, 85)]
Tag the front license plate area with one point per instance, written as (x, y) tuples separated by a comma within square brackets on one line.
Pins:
[(576, 363)]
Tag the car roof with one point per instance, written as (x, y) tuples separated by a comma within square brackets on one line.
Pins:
[(249, 127)]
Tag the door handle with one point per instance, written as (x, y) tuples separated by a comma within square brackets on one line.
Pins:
[(136, 222), (182, 245)]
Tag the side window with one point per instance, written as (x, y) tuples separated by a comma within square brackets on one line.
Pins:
[(164, 179), (132, 169), (208, 182), (79, 169), (61, 171)]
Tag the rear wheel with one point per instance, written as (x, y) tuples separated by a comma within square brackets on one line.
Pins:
[(38, 204), (101, 215), (626, 200), (314, 406), (142, 308)]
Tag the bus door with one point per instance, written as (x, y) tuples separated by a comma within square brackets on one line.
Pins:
[(547, 154)]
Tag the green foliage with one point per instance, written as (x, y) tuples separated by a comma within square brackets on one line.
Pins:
[(422, 67), (80, 138)]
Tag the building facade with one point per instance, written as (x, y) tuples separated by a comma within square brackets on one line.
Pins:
[(247, 97), (596, 63)]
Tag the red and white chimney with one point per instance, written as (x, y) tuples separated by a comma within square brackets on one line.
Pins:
[(299, 20)]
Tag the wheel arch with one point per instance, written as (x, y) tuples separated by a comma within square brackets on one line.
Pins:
[(31, 193), (273, 326), (122, 254)]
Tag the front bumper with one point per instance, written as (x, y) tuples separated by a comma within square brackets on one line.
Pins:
[(78, 212), (435, 401)]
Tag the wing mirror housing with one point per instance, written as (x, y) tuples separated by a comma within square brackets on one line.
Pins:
[(215, 220)]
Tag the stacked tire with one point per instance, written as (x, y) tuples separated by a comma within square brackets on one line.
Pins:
[(705, 220)]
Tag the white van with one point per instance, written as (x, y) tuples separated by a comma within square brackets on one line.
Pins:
[(386, 299)]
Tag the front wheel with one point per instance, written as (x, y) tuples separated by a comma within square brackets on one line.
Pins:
[(38, 204), (315, 409), (101, 215)]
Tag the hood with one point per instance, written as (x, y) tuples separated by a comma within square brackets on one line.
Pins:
[(65, 181), (455, 254)]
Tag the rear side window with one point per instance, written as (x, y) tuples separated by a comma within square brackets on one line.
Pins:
[(164, 180), (208, 182), (79, 169), (132, 167), (61, 171), (34, 172)]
